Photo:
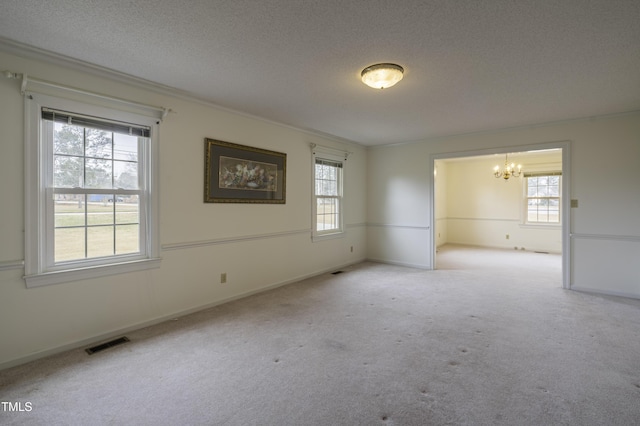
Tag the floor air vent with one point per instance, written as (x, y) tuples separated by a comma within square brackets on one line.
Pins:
[(107, 345), (337, 272)]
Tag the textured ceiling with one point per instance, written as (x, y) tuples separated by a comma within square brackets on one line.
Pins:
[(470, 65)]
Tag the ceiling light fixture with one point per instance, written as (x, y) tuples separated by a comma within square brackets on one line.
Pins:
[(381, 76), (509, 170)]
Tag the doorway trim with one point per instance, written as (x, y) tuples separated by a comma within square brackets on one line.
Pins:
[(565, 146)]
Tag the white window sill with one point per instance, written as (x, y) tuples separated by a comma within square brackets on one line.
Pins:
[(58, 277), (328, 236), (541, 225)]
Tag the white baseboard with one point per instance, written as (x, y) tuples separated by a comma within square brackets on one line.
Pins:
[(392, 262), (604, 292), (120, 331)]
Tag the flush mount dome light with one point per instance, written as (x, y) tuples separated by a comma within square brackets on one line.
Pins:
[(381, 76)]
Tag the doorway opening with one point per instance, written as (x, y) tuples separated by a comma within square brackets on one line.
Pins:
[(529, 213)]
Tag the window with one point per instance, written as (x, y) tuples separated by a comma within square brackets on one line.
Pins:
[(328, 206), (91, 198), (543, 198)]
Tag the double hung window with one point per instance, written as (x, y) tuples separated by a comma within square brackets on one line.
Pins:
[(543, 198), (91, 198), (328, 205)]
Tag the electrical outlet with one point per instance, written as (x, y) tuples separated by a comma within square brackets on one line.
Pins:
[(351, 249), (507, 236), (223, 278)]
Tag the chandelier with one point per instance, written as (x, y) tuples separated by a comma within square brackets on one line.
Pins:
[(509, 170)]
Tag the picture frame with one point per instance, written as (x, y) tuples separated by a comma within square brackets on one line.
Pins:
[(242, 174)]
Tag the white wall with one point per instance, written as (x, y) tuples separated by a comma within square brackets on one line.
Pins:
[(258, 246), (398, 206), (604, 178), (481, 210)]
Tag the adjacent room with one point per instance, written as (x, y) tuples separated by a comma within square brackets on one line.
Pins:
[(298, 212), (508, 201)]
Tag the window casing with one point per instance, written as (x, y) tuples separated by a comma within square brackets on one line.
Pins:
[(328, 206), (91, 199), (543, 198)]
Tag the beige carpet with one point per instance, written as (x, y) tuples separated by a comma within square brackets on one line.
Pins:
[(489, 338)]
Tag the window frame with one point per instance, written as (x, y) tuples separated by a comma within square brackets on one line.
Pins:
[(526, 197), (339, 231), (40, 269)]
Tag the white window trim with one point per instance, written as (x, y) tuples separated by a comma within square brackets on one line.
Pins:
[(36, 271), (331, 155)]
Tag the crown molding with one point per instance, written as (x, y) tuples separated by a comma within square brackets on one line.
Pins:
[(30, 52), (444, 138)]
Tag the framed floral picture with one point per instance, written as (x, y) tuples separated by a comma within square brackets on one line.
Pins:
[(243, 174)]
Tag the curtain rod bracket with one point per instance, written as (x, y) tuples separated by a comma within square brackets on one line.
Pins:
[(23, 87), (16, 76)]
